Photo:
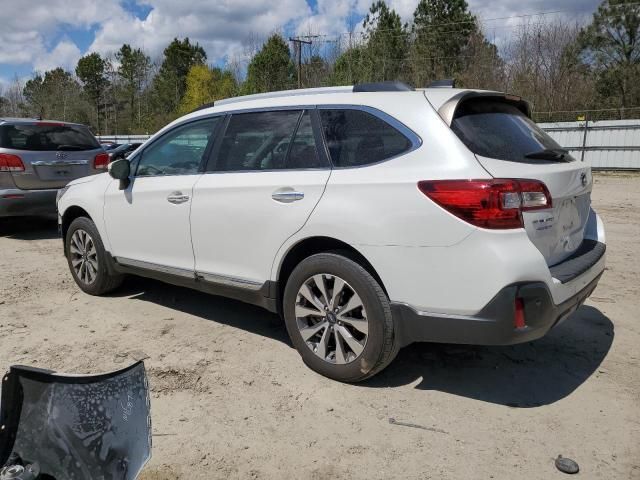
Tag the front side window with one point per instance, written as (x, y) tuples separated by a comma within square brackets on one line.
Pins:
[(356, 138), (268, 141), (178, 152)]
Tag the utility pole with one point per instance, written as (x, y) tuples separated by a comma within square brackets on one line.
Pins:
[(297, 41)]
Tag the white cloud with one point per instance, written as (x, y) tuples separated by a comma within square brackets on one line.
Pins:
[(27, 26), (219, 26), (65, 55)]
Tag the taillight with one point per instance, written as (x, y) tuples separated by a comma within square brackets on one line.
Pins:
[(101, 161), (10, 163), (494, 204), (518, 317)]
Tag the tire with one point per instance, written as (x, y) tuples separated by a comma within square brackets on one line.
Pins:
[(94, 278), (377, 344)]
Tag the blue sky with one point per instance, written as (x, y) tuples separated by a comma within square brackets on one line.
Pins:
[(37, 35)]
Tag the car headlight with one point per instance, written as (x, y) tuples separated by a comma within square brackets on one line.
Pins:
[(60, 193)]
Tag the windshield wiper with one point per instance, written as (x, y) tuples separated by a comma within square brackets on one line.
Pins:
[(558, 154)]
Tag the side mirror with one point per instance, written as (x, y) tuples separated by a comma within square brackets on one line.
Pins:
[(120, 170)]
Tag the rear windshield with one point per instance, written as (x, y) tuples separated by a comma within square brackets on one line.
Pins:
[(47, 137), (496, 129)]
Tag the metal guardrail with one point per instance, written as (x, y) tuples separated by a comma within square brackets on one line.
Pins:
[(122, 138)]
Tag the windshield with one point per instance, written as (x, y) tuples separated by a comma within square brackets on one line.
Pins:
[(496, 129), (46, 137)]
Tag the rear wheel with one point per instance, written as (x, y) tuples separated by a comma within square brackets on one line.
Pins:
[(339, 318), (87, 260)]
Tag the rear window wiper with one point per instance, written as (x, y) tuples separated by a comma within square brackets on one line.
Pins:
[(75, 147), (559, 154)]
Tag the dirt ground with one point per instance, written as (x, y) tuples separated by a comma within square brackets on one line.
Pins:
[(232, 399)]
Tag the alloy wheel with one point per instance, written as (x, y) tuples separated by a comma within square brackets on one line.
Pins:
[(331, 318), (84, 257)]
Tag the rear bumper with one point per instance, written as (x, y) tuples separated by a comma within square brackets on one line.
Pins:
[(494, 324), (15, 202)]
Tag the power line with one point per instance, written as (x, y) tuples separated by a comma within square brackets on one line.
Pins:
[(476, 19), (298, 42)]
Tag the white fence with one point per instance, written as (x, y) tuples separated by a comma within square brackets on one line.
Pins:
[(605, 144)]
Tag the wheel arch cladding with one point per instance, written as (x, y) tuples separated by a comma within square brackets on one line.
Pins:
[(69, 216), (313, 245)]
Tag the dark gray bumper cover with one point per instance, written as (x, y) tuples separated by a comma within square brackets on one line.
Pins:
[(494, 324)]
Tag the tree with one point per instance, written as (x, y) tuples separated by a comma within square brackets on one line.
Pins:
[(543, 65), (205, 85), (35, 95), (271, 68), (482, 66), (350, 67), (54, 95), (386, 43), (13, 103), (133, 69), (442, 30), (91, 71), (315, 71), (170, 83), (611, 46)]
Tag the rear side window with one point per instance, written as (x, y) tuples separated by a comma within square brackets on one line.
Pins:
[(275, 140), (496, 129), (355, 138), (47, 137)]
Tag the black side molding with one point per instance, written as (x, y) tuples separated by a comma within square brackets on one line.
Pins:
[(261, 295)]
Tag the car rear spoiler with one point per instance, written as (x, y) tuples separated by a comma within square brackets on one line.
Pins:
[(448, 109)]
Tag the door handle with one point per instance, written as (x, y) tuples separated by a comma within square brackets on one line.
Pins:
[(177, 198), (287, 196)]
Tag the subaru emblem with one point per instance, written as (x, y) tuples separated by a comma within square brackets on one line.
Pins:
[(583, 179), (61, 155)]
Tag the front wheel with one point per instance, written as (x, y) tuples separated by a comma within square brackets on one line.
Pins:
[(87, 258), (339, 318)]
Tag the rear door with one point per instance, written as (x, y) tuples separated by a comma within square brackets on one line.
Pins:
[(52, 154), (263, 183), (148, 222), (510, 145)]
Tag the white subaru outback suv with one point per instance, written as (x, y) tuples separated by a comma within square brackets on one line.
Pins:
[(369, 217)]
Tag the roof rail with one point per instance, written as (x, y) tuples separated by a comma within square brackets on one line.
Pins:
[(445, 83), (382, 87), (203, 106), (284, 93), (362, 87)]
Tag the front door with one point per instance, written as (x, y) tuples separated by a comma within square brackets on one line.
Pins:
[(148, 222)]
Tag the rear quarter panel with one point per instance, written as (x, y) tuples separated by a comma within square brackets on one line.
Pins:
[(380, 205)]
